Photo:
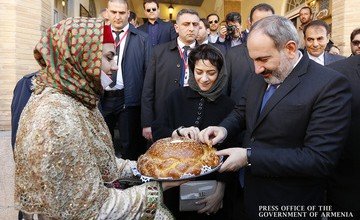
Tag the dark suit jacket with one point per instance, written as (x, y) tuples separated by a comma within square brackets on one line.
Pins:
[(166, 31), (134, 64), (239, 67), (330, 58), (21, 95), (162, 77), (344, 188), (221, 47), (296, 140)]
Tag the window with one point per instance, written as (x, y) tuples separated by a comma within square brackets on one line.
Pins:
[(293, 4)]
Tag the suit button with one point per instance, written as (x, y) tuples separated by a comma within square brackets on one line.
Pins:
[(252, 139), (178, 65), (176, 81)]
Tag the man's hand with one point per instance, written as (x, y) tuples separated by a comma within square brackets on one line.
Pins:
[(213, 202), (237, 159), (146, 132), (213, 135), (223, 31)]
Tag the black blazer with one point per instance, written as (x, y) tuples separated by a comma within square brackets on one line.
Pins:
[(239, 67), (162, 77), (21, 96), (166, 31), (344, 190), (296, 140)]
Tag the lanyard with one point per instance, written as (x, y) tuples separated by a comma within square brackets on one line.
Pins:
[(121, 39)]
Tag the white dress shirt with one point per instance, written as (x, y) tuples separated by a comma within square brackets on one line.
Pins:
[(119, 77)]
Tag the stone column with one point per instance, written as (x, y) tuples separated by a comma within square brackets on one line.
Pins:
[(345, 18)]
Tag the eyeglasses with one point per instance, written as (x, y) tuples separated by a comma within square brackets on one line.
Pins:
[(355, 42), (151, 9), (214, 21)]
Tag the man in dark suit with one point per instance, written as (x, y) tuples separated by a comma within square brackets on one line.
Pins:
[(168, 68), (344, 187), (158, 30), (120, 104), (203, 35), (239, 64), (296, 114), (316, 37), (230, 34)]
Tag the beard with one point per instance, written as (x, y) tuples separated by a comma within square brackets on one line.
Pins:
[(279, 75)]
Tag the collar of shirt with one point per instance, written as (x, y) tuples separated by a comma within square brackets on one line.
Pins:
[(206, 41), (319, 59), (300, 56), (126, 28), (296, 63), (181, 44)]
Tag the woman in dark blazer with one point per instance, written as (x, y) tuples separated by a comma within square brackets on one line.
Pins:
[(190, 109)]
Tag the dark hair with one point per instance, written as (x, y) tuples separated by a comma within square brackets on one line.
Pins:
[(354, 33), (261, 7), (132, 16), (150, 1), (206, 22), (186, 11), (234, 17), (306, 7), (206, 52), (317, 23), (212, 15)]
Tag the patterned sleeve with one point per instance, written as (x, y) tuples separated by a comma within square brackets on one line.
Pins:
[(138, 202), (124, 168)]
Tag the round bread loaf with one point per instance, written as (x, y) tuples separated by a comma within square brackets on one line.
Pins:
[(174, 157)]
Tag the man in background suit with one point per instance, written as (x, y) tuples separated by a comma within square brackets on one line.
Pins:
[(158, 30), (296, 115), (239, 64), (316, 37), (344, 187), (203, 35), (120, 104), (168, 69)]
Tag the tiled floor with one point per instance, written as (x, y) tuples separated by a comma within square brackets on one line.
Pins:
[(7, 211)]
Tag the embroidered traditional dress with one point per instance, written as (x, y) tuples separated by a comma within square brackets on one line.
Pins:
[(64, 152)]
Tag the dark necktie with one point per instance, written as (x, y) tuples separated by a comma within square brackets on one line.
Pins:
[(117, 50), (268, 93), (185, 57)]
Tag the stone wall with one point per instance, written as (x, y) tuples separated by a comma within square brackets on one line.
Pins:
[(21, 23)]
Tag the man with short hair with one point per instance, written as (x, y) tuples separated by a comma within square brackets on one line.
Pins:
[(239, 64), (168, 68), (305, 15), (214, 21), (355, 42), (316, 36), (296, 115), (230, 34), (120, 103), (202, 37), (158, 30)]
